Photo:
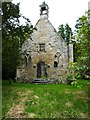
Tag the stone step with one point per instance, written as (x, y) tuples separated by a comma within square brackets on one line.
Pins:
[(40, 80)]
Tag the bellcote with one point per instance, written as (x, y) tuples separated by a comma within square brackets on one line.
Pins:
[(44, 10)]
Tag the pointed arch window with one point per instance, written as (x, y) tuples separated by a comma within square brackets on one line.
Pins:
[(29, 60), (55, 64)]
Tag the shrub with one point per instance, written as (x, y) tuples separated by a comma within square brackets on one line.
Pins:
[(70, 78)]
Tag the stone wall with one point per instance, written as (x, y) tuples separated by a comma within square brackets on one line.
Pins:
[(56, 50)]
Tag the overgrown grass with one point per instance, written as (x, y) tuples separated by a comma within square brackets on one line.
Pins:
[(45, 101)]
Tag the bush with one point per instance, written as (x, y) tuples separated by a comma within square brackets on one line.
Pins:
[(77, 71), (70, 78), (73, 74)]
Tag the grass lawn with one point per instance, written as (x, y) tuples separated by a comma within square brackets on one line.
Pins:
[(24, 100)]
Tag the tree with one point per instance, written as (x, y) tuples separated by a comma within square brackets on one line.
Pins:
[(82, 46), (61, 31), (68, 33), (65, 32), (13, 36)]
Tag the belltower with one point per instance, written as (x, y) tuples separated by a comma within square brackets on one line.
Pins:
[(44, 10)]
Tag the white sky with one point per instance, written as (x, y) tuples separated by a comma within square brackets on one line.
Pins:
[(60, 11)]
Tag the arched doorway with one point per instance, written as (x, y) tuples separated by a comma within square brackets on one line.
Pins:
[(41, 69)]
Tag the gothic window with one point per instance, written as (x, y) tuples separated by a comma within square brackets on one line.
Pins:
[(55, 64), (29, 60), (42, 47)]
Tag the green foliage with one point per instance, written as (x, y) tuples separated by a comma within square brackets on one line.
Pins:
[(65, 32), (82, 46), (71, 76), (44, 77), (60, 80), (13, 35), (68, 33), (61, 31), (76, 72)]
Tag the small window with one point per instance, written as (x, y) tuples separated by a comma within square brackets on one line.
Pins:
[(42, 47), (55, 56), (55, 64)]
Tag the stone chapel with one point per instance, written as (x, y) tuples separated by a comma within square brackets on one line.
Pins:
[(45, 55)]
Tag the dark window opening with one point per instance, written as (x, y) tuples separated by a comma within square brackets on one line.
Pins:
[(43, 8), (55, 56), (48, 66), (55, 64), (34, 66), (42, 47)]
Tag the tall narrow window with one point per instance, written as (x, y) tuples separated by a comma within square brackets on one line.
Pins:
[(29, 60), (25, 61), (55, 64), (42, 47)]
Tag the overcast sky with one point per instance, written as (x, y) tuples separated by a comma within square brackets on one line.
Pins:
[(60, 11)]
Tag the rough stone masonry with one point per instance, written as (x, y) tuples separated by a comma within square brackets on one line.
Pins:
[(45, 54)]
